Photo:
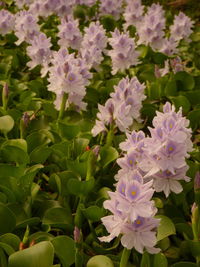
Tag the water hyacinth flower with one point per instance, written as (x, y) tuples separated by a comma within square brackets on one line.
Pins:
[(151, 29), (132, 215), (161, 156), (94, 44), (122, 108), (123, 53), (133, 13), (69, 33), (69, 75), (7, 22), (111, 7), (26, 27), (40, 53), (181, 28), (22, 3)]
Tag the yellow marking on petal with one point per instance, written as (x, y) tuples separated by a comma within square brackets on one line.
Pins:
[(133, 193), (171, 148), (138, 222), (123, 189), (171, 126), (131, 162)]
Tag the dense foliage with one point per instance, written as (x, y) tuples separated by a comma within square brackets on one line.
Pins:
[(99, 133)]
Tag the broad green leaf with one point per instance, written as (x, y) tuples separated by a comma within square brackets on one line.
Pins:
[(11, 239), (14, 154), (20, 143), (31, 222), (160, 260), (145, 261), (181, 101), (6, 123), (69, 130), (165, 228), (194, 116), (3, 258), (39, 255), (186, 80), (80, 145), (40, 154), (194, 248), (108, 22), (94, 213), (79, 188), (58, 217), (7, 248), (100, 261), (64, 248), (8, 220), (108, 154), (40, 236), (37, 138)]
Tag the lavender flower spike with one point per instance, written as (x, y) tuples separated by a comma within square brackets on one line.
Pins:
[(7, 21)]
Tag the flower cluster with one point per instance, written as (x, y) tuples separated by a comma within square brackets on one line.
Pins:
[(151, 28), (93, 44), (69, 33), (46, 8), (133, 13), (122, 108), (26, 27), (160, 157), (123, 54), (181, 28), (69, 75), (132, 215), (40, 53), (7, 22), (111, 7)]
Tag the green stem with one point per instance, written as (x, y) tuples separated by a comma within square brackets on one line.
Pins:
[(125, 256), (62, 106)]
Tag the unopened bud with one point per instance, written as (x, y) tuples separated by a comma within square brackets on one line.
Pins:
[(77, 235), (25, 119), (6, 90), (197, 181)]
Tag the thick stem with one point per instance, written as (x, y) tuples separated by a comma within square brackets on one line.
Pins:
[(110, 135), (125, 256), (62, 106)]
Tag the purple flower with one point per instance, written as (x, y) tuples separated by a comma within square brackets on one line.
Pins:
[(132, 215), (26, 27), (182, 27), (21, 3), (123, 54), (7, 22), (69, 33), (40, 53), (123, 107), (111, 7), (70, 75), (94, 44), (133, 13), (151, 29)]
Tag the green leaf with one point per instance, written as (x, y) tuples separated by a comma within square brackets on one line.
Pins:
[(31, 222), (100, 261), (14, 154), (165, 228), (181, 101), (186, 80), (6, 123), (3, 258), (194, 116), (194, 248), (8, 220), (160, 260), (20, 143), (94, 213), (11, 239), (64, 248), (80, 145), (69, 130), (7, 248), (40, 154), (108, 154), (7, 170), (79, 188), (41, 137), (41, 254), (145, 262), (58, 217)]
